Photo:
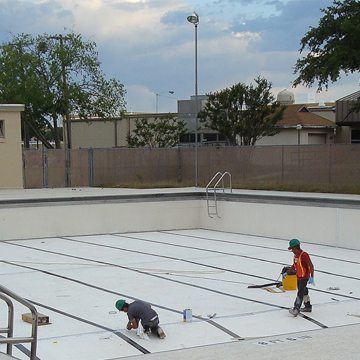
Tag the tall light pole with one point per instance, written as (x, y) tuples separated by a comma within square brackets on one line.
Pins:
[(171, 92), (194, 19), (298, 128)]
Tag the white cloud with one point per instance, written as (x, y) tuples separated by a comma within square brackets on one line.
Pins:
[(149, 45), (126, 21), (247, 35)]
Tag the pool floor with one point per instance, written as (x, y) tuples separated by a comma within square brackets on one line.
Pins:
[(77, 280)]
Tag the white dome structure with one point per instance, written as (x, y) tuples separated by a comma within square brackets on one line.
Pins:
[(286, 97)]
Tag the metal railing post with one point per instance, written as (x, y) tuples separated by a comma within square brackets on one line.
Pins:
[(91, 167), (67, 167), (6, 294), (45, 167), (10, 327)]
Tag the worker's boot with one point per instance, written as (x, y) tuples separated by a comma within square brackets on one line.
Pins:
[(160, 333), (307, 306), (294, 312)]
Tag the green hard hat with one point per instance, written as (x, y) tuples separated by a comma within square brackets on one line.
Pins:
[(293, 243), (120, 304)]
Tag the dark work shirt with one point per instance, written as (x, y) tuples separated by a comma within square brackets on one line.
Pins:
[(140, 310)]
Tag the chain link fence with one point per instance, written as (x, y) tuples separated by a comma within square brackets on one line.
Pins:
[(332, 164)]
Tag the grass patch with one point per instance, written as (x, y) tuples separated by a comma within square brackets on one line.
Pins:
[(148, 185), (313, 188)]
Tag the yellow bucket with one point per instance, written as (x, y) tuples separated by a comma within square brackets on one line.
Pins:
[(289, 282)]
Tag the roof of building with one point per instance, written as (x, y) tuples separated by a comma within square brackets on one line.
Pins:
[(351, 97), (299, 114), (12, 107), (126, 115)]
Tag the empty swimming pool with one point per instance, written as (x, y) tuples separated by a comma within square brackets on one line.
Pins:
[(76, 279)]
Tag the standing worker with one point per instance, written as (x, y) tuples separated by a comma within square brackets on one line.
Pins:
[(304, 270), (141, 311)]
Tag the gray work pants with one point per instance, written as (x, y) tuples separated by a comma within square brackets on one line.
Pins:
[(303, 292)]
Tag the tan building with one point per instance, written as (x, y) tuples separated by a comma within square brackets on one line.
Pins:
[(304, 124), (108, 132), (11, 175)]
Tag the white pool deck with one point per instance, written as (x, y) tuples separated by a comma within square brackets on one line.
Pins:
[(75, 280)]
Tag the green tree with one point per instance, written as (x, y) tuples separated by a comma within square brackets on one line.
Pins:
[(332, 47), (56, 76), (18, 84), (243, 113), (158, 133)]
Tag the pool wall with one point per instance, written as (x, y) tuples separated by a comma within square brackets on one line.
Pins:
[(314, 224), (325, 221)]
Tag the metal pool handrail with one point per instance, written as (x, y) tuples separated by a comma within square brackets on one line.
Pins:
[(7, 295), (218, 177)]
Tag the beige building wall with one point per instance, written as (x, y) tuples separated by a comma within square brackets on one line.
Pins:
[(106, 133), (95, 134), (306, 136), (11, 173)]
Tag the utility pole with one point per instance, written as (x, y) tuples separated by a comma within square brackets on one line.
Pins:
[(65, 112), (66, 115), (64, 87)]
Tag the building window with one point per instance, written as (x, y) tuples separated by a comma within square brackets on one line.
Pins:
[(355, 136), (2, 128)]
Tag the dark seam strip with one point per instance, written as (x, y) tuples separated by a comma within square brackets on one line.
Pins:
[(153, 275), (238, 272), (116, 293), (256, 246), (313, 321), (193, 262), (119, 334)]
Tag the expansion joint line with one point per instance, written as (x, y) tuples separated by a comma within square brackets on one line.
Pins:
[(153, 275)]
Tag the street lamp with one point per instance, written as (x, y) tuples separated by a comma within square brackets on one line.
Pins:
[(194, 19), (171, 92)]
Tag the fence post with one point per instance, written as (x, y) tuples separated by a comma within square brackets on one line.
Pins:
[(330, 161), (179, 167), (24, 168), (282, 164), (45, 167), (91, 167), (67, 167)]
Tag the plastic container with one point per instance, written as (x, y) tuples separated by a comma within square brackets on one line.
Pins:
[(289, 282), (187, 315)]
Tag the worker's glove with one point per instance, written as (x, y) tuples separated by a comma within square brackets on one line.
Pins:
[(311, 281)]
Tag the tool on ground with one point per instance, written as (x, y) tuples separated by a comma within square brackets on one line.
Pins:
[(289, 282)]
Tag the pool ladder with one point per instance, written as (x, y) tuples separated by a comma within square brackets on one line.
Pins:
[(215, 184), (8, 296)]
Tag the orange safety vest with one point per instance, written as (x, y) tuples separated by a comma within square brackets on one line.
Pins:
[(302, 265)]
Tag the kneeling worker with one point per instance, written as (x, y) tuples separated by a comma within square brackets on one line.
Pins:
[(141, 311)]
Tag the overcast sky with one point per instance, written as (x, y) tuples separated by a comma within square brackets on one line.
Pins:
[(149, 46)]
